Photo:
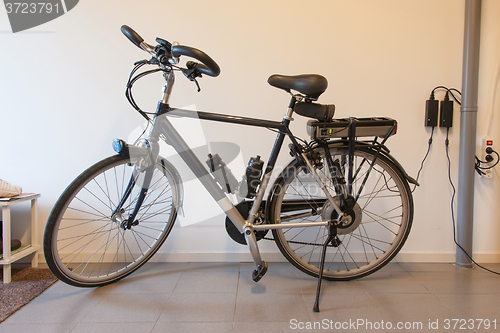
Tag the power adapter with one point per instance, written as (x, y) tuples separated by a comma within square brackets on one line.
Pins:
[(431, 112), (446, 118)]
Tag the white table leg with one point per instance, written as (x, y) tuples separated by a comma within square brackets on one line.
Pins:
[(34, 230), (6, 242)]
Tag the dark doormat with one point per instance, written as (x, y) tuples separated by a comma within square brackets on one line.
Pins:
[(27, 283)]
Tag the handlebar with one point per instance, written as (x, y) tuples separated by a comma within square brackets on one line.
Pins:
[(207, 65), (132, 35)]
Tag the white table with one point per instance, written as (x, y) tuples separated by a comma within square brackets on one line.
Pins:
[(8, 256)]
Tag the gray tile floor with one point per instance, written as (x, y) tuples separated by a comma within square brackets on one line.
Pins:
[(221, 297)]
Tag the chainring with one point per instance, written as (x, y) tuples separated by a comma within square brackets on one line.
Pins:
[(233, 232)]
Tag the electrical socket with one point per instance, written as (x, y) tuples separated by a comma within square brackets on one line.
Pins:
[(487, 142)]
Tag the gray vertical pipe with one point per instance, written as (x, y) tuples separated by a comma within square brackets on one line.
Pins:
[(468, 118)]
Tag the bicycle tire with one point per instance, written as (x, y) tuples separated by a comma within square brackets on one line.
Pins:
[(85, 247), (384, 216)]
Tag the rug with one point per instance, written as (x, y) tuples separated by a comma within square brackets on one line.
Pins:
[(26, 285)]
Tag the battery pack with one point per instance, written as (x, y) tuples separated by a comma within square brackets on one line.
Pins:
[(338, 128)]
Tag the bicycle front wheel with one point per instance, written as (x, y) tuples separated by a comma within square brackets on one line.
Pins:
[(381, 220), (85, 241)]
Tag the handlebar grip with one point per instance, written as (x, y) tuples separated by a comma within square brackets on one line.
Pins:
[(132, 35), (212, 69)]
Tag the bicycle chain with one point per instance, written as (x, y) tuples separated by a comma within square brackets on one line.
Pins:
[(296, 242)]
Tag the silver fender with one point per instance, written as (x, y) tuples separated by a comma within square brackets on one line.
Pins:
[(178, 185)]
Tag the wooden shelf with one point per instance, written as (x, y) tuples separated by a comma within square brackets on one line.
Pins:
[(8, 256)]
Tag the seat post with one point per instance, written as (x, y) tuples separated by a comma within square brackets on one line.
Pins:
[(289, 111)]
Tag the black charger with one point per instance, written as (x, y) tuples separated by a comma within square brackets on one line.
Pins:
[(431, 112), (446, 112)]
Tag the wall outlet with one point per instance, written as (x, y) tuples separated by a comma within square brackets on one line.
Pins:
[(487, 142)]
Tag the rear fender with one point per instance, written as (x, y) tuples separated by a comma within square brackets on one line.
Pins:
[(385, 152)]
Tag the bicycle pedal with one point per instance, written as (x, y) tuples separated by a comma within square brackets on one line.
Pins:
[(260, 271)]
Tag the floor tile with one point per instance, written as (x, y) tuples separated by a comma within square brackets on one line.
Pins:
[(61, 288), (392, 282), (309, 284), (178, 327), (199, 307), (428, 267), (38, 328), (114, 328), (343, 307), (278, 279), (202, 281), (275, 327), (127, 308), (410, 307), (393, 267), (58, 308), (460, 281), (466, 306), (493, 266), (270, 307), (212, 266), (147, 281)]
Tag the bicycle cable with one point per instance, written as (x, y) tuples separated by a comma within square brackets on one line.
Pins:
[(132, 79), (288, 134)]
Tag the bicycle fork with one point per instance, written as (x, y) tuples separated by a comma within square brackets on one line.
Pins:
[(117, 214), (144, 160)]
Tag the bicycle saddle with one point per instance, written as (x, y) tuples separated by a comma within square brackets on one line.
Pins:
[(311, 85)]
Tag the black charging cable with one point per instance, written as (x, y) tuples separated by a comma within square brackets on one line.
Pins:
[(447, 142), (425, 157)]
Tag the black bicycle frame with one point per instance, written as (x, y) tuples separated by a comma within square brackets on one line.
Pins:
[(282, 127)]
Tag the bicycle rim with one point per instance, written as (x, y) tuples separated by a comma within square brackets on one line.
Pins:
[(383, 217), (85, 246)]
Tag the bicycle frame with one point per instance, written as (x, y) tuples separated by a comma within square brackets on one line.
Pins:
[(163, 127)]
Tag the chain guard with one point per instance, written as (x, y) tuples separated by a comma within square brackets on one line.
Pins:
[(233, 232)]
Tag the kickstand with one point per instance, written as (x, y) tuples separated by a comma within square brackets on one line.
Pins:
[(332, 238)]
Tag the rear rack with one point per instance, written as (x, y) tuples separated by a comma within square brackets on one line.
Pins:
[(339, 128)]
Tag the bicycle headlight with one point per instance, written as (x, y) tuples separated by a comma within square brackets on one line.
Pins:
[(118, 145)]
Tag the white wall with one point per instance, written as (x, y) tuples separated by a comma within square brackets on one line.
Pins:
[(62, 94)]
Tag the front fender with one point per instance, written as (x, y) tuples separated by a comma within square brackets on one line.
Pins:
[(178, 185)]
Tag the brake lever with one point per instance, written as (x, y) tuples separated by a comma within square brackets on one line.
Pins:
[(144, 61), (152, 61), (191, 73), (197, 85)]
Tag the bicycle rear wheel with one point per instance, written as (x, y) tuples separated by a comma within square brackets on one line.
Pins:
[(86, 246), (382, 216)]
